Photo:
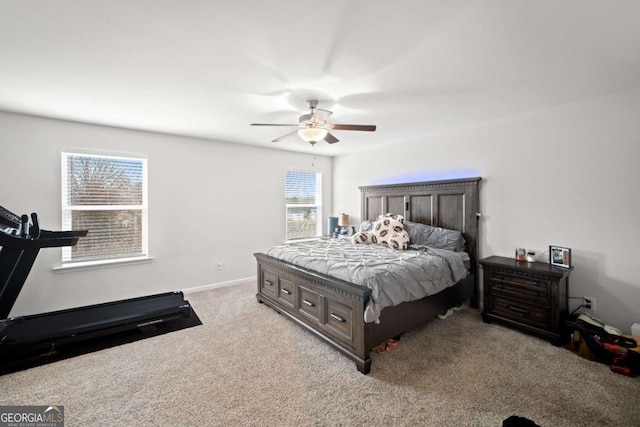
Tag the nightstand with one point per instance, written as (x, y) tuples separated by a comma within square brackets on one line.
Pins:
[(531, 296)]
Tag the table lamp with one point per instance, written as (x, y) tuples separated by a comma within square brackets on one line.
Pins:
[(343, 222)]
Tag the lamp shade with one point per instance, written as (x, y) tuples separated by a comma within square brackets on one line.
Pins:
[(343, 220), (312, 134)]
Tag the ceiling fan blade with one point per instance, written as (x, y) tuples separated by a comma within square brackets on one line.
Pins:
[(320, 115), (368, 128), (285, 136), (271, 124), (331, 139)]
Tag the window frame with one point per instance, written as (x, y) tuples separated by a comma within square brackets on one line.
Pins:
[(317, 205), (67, 211)]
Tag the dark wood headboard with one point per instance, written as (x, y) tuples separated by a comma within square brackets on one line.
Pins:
[(452, 203)]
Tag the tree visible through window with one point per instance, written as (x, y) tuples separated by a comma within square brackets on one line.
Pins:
[(303, 194), (108, 196)]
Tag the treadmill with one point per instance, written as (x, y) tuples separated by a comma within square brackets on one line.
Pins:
[(35, 339)]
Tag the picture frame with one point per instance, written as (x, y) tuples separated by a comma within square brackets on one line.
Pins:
[(560, 256)]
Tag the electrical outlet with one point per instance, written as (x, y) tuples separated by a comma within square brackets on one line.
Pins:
[(219, 264), (589, 303)]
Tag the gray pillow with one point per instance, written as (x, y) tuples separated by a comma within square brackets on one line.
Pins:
[(435, 237)]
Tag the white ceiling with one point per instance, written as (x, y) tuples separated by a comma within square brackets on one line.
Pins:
[(209, 68)]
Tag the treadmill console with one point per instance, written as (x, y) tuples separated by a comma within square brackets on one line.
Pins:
[(13, 225), (10, 223)]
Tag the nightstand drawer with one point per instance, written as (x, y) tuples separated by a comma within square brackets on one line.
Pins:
[(309, 303), (531, 289), (530, 314), (286, 292)]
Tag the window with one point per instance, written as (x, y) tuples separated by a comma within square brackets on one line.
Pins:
[(106, 195), (303, 194)]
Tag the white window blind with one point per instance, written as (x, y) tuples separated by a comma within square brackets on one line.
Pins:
[(303, 195), (106, 195)]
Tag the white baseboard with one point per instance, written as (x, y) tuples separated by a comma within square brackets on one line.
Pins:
[(219, 285)]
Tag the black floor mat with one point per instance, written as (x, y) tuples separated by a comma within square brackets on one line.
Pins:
[(101, 343)]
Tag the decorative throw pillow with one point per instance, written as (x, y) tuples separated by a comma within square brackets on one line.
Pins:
[(388, 229)]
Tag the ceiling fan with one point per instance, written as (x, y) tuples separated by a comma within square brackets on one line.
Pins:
[(313, 127)]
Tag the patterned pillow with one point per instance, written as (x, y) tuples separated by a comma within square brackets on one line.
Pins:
[(388, 229)]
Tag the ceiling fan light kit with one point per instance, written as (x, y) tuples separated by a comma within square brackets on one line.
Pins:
[(314, 126), (312, 134)]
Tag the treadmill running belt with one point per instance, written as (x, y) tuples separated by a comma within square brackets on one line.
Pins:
[(48, 337), (100, 316)]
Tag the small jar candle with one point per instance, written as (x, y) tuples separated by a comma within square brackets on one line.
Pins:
[(520, 254)]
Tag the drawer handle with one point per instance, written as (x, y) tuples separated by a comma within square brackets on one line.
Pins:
[(268, 283), (284, 291), (338, 318), (309, 303), (518, 309)]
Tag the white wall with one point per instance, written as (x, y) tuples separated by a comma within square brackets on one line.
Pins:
[(564, 176), (192, 184)]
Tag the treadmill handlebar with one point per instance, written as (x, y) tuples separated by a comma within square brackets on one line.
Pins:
[(17, 233), (35, 228), (47, 239), (58, 234), (24, 226)]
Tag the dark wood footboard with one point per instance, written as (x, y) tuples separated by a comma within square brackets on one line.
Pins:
[(330, 308), (333, 309)]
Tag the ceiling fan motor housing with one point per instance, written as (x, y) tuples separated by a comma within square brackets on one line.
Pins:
[(305, 118)]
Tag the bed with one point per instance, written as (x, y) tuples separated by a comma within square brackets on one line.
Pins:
[(334, 309)]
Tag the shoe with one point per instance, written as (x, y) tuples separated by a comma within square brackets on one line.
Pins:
[(612, 330), (460, 307), (587, 318), (445, 315), (594, 321)]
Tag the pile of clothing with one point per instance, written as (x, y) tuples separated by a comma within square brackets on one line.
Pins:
[(595, 340)]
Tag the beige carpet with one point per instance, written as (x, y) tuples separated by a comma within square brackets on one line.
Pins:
[(247, 365)]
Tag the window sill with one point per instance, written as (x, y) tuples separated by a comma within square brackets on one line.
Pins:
[(92, 265), (305, 239)]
